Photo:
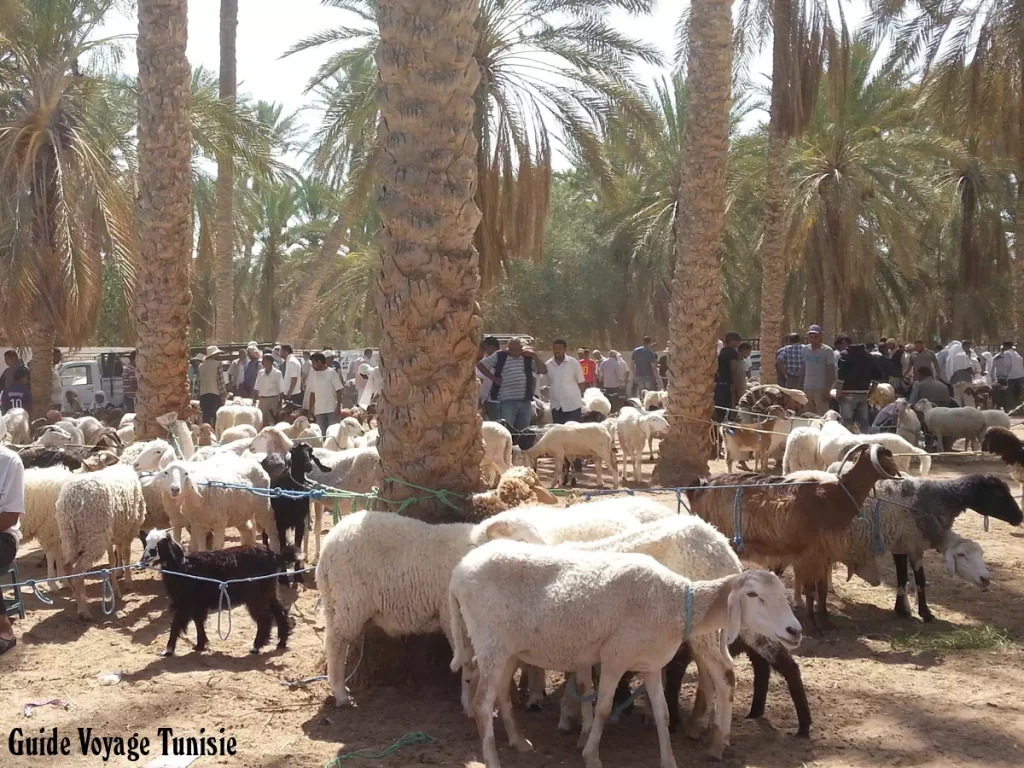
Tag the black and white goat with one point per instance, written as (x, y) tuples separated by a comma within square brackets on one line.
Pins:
[(290, 472), (192, 599)]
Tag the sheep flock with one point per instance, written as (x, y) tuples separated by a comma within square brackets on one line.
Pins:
[(540, 582)]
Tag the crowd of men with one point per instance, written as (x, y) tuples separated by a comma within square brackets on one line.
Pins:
[(814, 377), (15, 383)]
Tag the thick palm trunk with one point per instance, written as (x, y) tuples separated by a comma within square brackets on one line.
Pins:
[(164, 212), (294, 329), (696, 290), (773, 241), (1018, 244), (41, 343), (224, 328), (428, 281)]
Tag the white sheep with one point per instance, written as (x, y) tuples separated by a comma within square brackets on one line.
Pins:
[(301, 429), (127, 433), (996, 418), (595, 401), (19, 430), (208, 508), (91, 428), (341, 436), (908, 425), (801, 450), (836, 441), (42, 488), (954, 423), (162, 510), (53, 436), (497, 458), (562, 609), (240, 432), (234, 413), (236, 448), (392, 570), (575, 440), (541, 413), (99, 512), (634, 429), (357, 471), (149, 456), (369, 440), (272, 439), (126, 419), (653, 399)]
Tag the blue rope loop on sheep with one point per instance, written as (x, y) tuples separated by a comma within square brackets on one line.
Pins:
[(109, 598), (737, 519), (225, 597), (40, 596)]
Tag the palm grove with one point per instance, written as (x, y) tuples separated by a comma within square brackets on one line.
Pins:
[(870, 187)]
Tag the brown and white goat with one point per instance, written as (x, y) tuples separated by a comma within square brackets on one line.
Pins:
[(801, 518)]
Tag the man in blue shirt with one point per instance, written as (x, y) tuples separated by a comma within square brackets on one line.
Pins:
[(17, 395), (645, 361)]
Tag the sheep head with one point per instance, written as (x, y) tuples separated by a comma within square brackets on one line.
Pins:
[(966, 559), (271, 440), (53, 436), (756, 601), (156, 456)]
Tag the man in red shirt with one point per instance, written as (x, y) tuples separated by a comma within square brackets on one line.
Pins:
[(589, 367)]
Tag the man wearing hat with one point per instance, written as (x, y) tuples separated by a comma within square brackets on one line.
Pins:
[(212, 390), (269, 389), (252, 368), (819, 372)]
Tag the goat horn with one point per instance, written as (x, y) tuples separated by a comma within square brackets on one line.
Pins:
[(878, 466), (851, 455)]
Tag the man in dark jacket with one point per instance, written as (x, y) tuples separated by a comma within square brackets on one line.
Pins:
[(857, 369)]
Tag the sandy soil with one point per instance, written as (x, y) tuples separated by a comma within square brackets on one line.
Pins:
[(872, 704)]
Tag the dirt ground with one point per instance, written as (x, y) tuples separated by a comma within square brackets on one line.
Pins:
[(882, 691)]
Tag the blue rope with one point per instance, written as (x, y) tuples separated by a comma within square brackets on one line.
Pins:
[(573, 692), (108, 592), (986, 523), (737, 519), (224, 597), (617, 712)]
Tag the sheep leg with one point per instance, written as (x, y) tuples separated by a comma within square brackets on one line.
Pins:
[(300, 563), (599, 471), (218, 539), (922, 604), (567, 711), (656, 695), (264, 619), (697, 723), (483, 707), (78, 590), (585, 688), (638, 474), (605, 695), (724, 679), (674, 673), (281, 617), (821, 618), (516, 739), (125, 552), (902, 608), (535, 678), (336, 647), (179, 621), (784, 663), (762, 676), (199, 619)]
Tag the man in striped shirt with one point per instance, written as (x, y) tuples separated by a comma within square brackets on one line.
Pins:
[(512, 373)]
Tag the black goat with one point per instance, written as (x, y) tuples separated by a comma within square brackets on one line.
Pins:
[(192, 600), (45, 456), (290, 473)]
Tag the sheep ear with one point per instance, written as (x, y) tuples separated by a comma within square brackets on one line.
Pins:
[(950, 558), (544, 495), (734, 612), (319, 463)]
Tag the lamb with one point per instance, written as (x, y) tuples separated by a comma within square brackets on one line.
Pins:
[(291, 512), (653, 399), (921, 517), (392, 570), (96, 513), (954, 423), (996, 418), (908, 425), (240, 432), (42, 488), (179, 433), (692, 548), (341, 436), (836, 441), (568, 441), (301, 429), (153, 456), (127, 433), (90, 427), (509, 600), (235, 413), (357, 471), (272, 439), (192, 600), (209, 509), (634, 429), (801, 518), (1008, 447), (801, 450), (203, 435), (757, 439), (17, 424), (497, 458), (595, 401)]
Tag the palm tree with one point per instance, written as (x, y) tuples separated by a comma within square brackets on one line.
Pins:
[(544, 63), (224, 329), (696, 293), (973, 56), (64, 190), (801, 36), (164, 211)]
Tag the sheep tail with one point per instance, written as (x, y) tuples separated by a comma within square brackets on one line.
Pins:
[(459, 635)]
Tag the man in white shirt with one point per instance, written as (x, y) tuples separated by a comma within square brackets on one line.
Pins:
[(1008, 368), (353, 369), (307, 366), (566, 383), (292, 375), (325, 390), (612, 374), (12, 507), (269, 390)]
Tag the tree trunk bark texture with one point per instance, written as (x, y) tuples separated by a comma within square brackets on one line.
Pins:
[(164, 212), (224, 326), (427, 284), (1018, 244), (696, 289), (41, 342)]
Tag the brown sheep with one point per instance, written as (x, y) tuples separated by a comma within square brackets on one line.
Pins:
[(802, 518)]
